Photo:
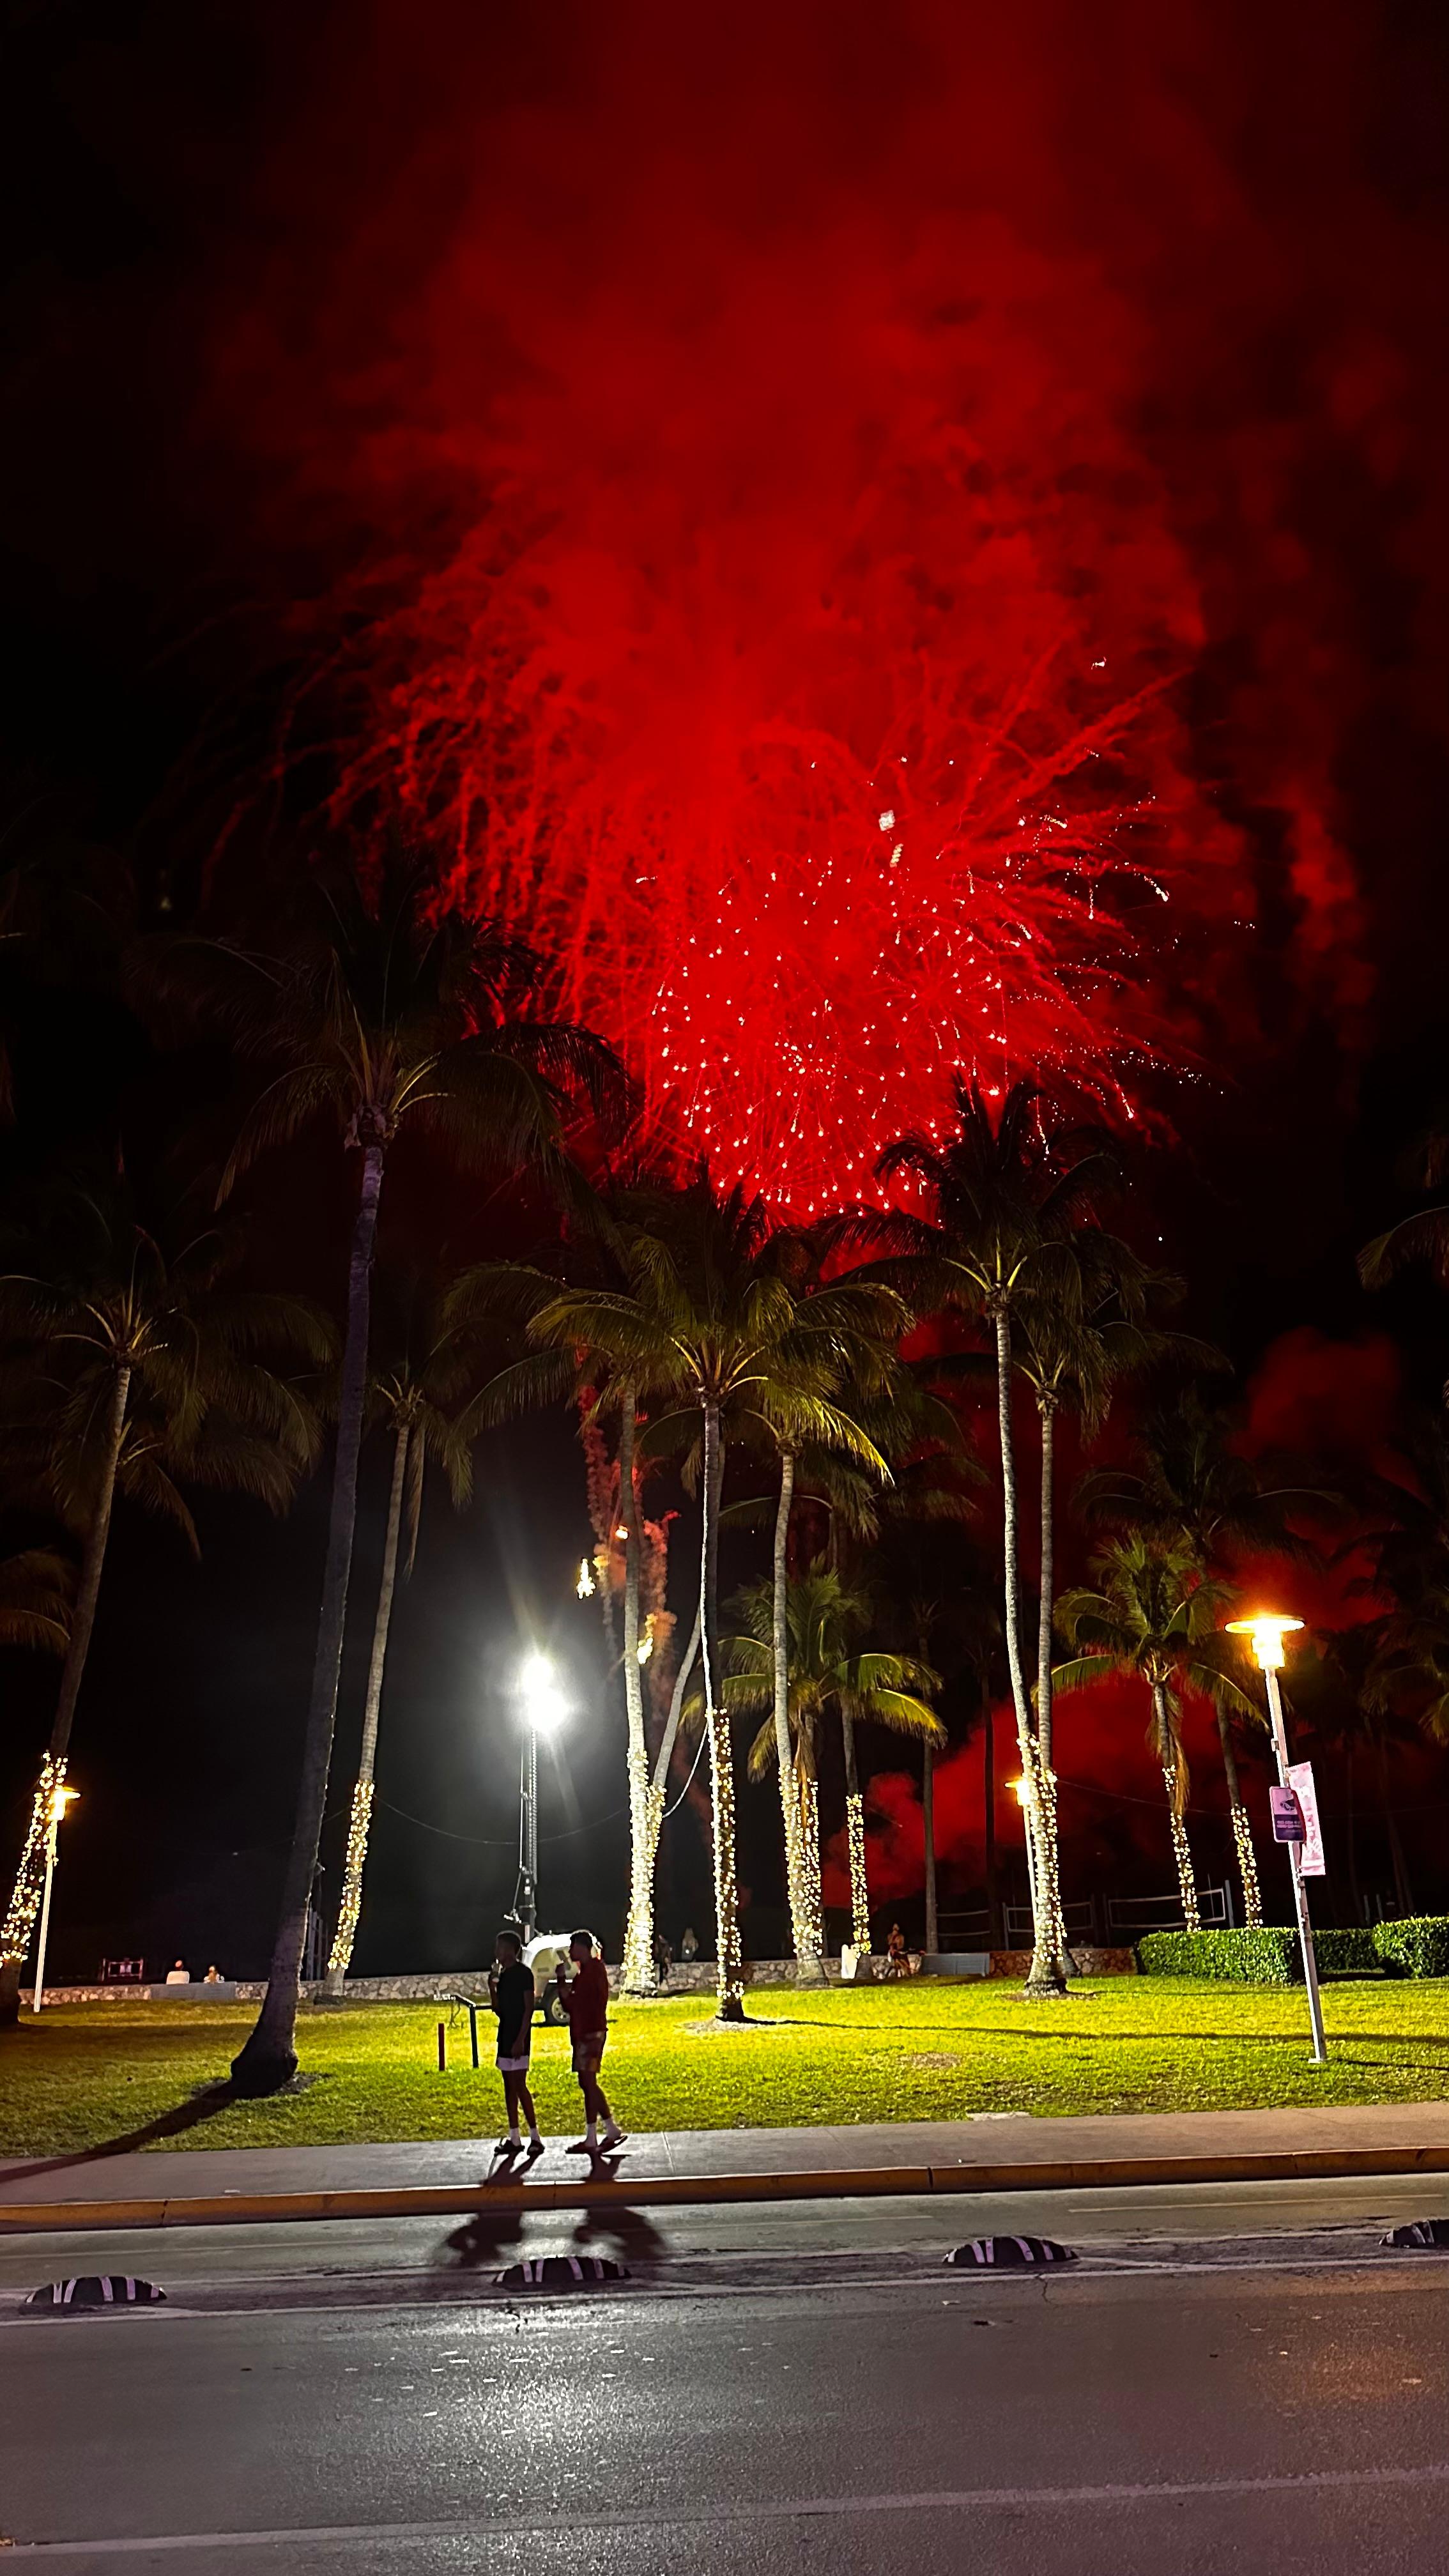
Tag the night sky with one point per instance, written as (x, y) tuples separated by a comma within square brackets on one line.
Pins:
[(366, 370)]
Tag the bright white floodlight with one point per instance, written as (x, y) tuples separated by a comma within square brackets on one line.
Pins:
[(544, 1704)]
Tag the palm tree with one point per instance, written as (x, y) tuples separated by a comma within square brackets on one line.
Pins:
[(37, 1589), (383, 1011), (132, 1371), (935, 1480), (890, 1412), (710, 1319), (1421, 1237), (1408, 1680), (1154, 1615), (1076, 1342), (824, 1622), (513, 1293), (1192, 1485), (1007, 1202), (1407, 1539), (416, 1398), (1358, 1713)]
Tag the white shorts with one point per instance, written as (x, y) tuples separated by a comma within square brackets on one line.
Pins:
[(512, 2065)]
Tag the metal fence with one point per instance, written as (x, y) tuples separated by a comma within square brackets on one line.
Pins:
[(1079, 1921), (1130, 1916), (1106, 1922)]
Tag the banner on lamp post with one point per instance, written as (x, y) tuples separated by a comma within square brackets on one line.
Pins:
[(1310, 1859)]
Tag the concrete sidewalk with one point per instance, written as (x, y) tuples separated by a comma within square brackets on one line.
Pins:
[(994, 2152)]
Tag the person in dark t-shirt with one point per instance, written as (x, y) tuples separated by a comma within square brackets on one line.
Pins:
[(511, 1993)]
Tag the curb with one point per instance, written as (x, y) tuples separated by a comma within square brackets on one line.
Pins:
[(669, 2191)]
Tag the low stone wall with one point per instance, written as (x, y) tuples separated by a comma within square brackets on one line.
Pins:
[(695, 1978), (1084, 1962)]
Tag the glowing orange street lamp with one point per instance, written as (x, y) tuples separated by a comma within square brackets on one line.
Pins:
[(60, 1799), (1267, 1629)]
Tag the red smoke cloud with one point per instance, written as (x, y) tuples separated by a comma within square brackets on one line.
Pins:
[(1113, 1801), (1319, 1398), (1332, 1406), (829, 503)]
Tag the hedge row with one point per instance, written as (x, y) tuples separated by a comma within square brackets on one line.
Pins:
[(1269, 1956), (1417, 1947), (1264, 1958)]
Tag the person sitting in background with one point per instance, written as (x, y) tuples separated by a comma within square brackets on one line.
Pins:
[(213, 1976), (663, 1959), (897, 1957), (688, 1945), (180, 1975)]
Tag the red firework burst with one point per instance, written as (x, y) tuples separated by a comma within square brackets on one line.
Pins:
[(804, 685)]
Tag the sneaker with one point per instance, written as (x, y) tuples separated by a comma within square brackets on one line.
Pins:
[(508, 2147), (535, 2145)]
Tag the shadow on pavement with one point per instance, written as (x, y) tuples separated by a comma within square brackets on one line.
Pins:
[(490, 2234), (199, 2106), (628, 2232)]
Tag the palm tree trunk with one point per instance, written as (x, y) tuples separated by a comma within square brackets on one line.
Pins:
[(1403, 1897), (269, 2058), (928, 1828), (855, 1839), (667, 1740), (1242, 1831), (1046, 1975), (805, 1936), (1048, 1822), (807, 1794), (30, 1877), (639, 1936), (361, 1818), (1176, 1799), (728, 1953), (654, 1808), (994, 1939), (1048, 1580)]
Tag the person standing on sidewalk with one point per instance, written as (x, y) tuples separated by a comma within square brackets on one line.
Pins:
[(585, 1998), (511, 1993)]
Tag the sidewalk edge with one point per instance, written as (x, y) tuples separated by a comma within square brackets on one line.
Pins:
[(880, 2182)]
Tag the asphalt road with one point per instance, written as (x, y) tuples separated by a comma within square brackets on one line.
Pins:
[(1233, 2380)]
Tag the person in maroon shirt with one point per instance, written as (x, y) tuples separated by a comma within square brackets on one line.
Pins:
[(585, 1998)]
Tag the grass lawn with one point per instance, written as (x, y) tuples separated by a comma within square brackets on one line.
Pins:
[(86, 2074)]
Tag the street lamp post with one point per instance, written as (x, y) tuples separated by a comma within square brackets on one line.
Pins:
[(543, 1706), (1268, 1631), (59, 1801)]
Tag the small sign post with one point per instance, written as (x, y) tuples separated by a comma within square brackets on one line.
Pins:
[(1295, 1863), (1295, 1785), (1287, 1816)]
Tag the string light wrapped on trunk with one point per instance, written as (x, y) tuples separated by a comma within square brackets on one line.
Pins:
[(19, 1926), (730, 1965), (859, 1885), (340, 1957), (1247, 1867), (1181, 1852)]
